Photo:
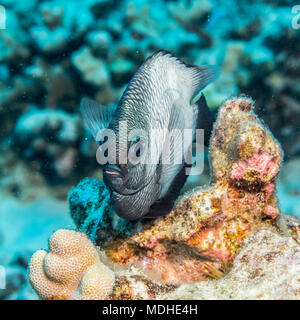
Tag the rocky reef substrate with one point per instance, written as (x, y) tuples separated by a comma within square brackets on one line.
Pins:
[(225, 241)]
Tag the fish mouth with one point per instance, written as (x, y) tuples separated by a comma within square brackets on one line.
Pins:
[(113, 171)]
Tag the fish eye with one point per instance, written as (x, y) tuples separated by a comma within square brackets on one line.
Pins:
[(139, 148)]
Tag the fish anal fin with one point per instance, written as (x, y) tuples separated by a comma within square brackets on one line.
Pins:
[(165, 204), (206, 119)]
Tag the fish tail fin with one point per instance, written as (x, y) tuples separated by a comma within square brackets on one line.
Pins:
[(206, 118), (95, 116), (201, 77)]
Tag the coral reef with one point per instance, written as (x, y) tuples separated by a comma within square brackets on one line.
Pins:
[(50, 139), (207, 228), (33, 223), (267, 267), (218, 235), (53, 53), (16, 277)]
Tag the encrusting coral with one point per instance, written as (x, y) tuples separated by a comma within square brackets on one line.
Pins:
[(267, 267), (207, 228), (198, 240)]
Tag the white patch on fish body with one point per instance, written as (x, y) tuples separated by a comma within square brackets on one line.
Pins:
[(176, 89)]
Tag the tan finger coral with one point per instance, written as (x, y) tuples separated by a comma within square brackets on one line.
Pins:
[(72, 269)]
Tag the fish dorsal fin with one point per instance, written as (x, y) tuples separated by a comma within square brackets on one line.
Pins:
[(95, 116), (195, 78)]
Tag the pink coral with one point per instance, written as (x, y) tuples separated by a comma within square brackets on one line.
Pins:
[(261, 165)]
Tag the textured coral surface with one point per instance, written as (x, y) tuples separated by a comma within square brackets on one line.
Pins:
[(72, 269), (267, 267), (201, 237)]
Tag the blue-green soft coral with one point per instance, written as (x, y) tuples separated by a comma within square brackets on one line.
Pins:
[(92, 212)]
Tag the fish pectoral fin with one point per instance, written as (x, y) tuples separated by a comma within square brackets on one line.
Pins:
[(96, 117), (172, 157), (206, 119), (201, 77)]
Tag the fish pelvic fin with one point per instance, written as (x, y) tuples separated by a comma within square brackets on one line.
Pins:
[(95, 116), (166, 203), (206, 119)]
